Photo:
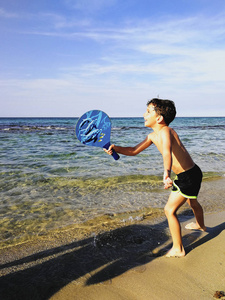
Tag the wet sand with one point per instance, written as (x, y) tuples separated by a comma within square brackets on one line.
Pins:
[(125, 263), (199, 275)]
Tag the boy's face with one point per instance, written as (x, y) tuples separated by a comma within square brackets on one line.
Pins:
[(150, 116)]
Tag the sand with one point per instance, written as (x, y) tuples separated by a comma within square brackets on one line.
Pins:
[(196, 276), (99, 268)]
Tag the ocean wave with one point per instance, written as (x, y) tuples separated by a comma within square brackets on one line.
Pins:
[(203, 127), (127, 128), (81, 186), (31, 128)]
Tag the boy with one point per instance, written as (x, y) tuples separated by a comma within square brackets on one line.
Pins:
[(159, 114)]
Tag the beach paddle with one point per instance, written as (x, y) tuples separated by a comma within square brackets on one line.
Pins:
[(94, 128)]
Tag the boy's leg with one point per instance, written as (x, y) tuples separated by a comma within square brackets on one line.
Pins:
[(199, 216), (175, 201)]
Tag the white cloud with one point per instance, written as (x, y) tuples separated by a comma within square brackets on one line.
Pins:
[(182, 59), (90, 6), (7, 15)]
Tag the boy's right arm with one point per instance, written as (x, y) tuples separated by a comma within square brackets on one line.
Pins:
[(130, 151)]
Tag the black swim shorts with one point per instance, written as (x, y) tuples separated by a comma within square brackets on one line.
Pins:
[(188, 183)]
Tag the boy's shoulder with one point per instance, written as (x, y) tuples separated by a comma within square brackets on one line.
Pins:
[(167, 129), (167, 133), (163, 133)]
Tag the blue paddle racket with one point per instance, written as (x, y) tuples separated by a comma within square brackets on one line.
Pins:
[(94, 129)]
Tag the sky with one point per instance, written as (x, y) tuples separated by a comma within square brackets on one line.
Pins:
[(62, 58)]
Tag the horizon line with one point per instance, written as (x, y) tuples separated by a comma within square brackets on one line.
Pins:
[(54, 117)]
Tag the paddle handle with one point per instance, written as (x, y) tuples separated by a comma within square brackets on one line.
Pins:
[(114, 154)]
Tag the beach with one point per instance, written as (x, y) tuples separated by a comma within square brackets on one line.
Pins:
[(124, 263), (199, 275)]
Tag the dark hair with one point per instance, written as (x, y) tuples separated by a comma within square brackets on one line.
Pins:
[(165, 108)]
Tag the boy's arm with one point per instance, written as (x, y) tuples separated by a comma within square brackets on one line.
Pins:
[(130, 151), (167, 157)]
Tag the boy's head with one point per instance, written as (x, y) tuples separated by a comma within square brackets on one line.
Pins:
[(165, 108)]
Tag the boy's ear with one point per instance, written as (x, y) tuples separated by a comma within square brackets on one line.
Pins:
[(160, 119)]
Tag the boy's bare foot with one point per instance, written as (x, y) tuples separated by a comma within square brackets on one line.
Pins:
[(175, 253), (194, 226)]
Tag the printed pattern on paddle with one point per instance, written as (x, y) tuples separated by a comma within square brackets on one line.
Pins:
[(94, 128)]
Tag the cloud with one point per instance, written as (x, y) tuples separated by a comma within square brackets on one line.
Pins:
[(178, 58), (90, 6), (7, 15), (178, 32), (180, 51)]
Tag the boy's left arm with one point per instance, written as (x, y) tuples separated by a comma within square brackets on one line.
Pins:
[(167, 157)]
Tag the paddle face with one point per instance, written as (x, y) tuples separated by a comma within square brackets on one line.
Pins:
[(94, 129)]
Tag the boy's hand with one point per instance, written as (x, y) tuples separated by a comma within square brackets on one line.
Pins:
[(168, 182), (110, 150)]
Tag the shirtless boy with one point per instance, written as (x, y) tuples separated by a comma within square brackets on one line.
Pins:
[(159, 114)]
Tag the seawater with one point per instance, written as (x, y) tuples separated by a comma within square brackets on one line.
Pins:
[(50, 181)]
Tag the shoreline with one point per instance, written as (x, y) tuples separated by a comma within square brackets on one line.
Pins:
[(121, 262), (110, 219), (125, 263)]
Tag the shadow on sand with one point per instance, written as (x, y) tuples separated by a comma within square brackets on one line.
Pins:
[(96, 259)]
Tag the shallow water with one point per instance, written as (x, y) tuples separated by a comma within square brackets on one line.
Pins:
[(49, 181)]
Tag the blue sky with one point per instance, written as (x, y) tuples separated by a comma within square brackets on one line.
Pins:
[(62, 58)]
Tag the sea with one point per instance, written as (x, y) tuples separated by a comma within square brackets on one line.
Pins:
[(49, 181)]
